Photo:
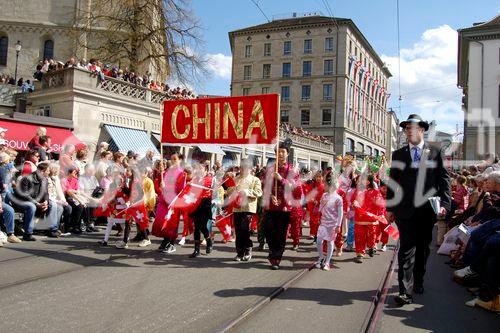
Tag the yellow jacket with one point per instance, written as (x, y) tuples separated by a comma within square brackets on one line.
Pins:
[(149, 194), (251, 189)]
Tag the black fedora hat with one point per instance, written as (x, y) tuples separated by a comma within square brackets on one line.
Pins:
[(415, 118)]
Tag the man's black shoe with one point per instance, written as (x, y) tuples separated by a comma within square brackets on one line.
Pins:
[(76, 231), (403, 299), (371, 252), (28, 238), (418, 290)]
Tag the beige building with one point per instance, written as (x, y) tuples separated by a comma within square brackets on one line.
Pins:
[(331, 80), (393, 133), (44, 29), (479, 78)]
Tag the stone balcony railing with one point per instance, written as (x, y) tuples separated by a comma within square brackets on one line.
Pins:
[(7, 94), (307, 142), (82, 78)]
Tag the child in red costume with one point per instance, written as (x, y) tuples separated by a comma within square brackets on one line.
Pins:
[(366, 218), (313, 206), (383, 235), (296, 215)]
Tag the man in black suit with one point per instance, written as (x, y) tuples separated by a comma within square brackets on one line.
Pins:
[(417, 173)]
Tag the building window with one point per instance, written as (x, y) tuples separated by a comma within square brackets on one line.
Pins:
[(285, 93), (265, 90), (349, 145), (247, 72), (248, 51), (4, 49), (327, 117), (266, 71), (328, 67), (308, 45), (267, 49), (287, 47), (329, 44), (43, 111), (360, 147), (306, 68), (304, 117), (368, 151), (328, 92), (306, 92), (287, 69), (48, 49), (375, 152), (246, 91), (285, 116)]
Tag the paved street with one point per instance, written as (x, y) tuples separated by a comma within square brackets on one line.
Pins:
[(59, 285)]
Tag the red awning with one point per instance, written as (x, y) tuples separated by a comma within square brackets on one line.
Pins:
[(19, 134)]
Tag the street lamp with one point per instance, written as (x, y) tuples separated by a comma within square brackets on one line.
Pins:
[(18, 49)]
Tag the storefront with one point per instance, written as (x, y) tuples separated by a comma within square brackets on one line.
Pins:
[(19, 134)]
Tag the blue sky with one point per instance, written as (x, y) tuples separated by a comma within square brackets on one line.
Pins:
[(427, 37)]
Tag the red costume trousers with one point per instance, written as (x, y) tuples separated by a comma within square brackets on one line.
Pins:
[(188, 226), (314, 218), (295, 224), (364, 236), (339, 239)]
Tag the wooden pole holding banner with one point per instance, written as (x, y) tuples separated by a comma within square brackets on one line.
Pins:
[(162, 106), (277, 145)]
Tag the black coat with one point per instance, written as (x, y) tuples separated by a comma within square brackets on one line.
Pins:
[(32, 188), (430, 178)]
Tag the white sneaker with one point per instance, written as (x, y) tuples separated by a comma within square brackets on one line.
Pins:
[(13, 239), (319, 263), (121, 245), (384, 248), (326, 267), (464, 272), (170, 248), (144, 243), (204, 242), (182, 241)]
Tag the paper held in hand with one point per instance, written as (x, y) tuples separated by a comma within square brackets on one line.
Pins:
[(436, 204)]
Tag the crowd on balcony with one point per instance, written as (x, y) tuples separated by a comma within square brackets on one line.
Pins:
[(24, 85), (288, 128), (104, 71)]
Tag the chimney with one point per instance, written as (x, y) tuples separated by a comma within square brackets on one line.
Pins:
[(294, 14)]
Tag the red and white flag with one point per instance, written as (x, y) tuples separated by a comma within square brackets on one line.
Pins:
[(223, 223)]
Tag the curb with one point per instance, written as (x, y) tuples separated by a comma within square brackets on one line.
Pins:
[(378, 302), (263, 302)]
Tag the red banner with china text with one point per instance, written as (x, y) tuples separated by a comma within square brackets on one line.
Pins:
[(222, 120)]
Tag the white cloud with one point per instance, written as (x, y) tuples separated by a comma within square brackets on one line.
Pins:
[(428, 79), (220, 65)]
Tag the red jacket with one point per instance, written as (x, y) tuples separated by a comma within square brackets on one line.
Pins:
[(368, 207)]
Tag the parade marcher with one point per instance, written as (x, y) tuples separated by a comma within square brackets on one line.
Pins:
[(296, 215), (245, 194), (331, 209), (313, 205), (366, 204), (168, 184), (278, 186), (203, 212), (383, 235), (418, 169)]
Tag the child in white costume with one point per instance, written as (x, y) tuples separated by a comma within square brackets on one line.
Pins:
[(331, 210)]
